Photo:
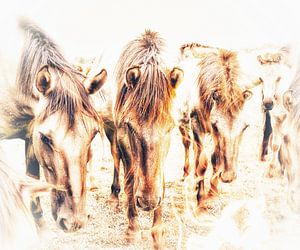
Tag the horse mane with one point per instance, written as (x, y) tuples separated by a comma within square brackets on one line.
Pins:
[(269, 58), (196, 49), (218, 76), (192, 46), (69, 95), (150, 98)]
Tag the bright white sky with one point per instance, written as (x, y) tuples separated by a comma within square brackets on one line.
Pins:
[(89, 27)]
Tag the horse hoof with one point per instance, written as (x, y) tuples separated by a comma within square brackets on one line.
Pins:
[(212, 192), (115, 190), (158, 237), (132, 235), (263, 158), (92, 185), (113, 201), (228, 176), (40, 223), (273, 172)]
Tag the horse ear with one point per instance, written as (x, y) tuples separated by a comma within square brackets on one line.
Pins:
[(96, 82), (176, 77), (247, 94), (290, 54), (288, 100), (43, 81), (260, 59), (133, 76)]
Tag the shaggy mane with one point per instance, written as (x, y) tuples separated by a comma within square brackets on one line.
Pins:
[(150, 98), (218, 76), (69, 95)]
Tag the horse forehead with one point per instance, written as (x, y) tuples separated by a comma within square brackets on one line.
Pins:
[(58, 125), (228, 125), (271, 71), (154, 133)]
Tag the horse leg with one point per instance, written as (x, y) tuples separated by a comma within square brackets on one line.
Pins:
[(91, 182), (157, 230), (274, 169), (115, 187), (266, 136), (200, 167), (216, 163), (33, 170), (186, 140), (132, 213), (110, 132)]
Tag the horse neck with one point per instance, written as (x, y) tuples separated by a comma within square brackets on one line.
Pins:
[(16, 112)]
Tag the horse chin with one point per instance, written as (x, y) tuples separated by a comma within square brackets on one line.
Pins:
[(228, 176), (69, 222)]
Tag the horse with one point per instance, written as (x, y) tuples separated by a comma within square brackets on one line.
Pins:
[(14, 214), (288, 153), (143, 120), (213, 105), (49, 107), (277, 70)]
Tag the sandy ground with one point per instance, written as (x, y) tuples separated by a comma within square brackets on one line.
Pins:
[(256, 203)]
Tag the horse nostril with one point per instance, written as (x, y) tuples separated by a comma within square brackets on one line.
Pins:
[(147, 204), (268, 104), (139, 201), (63, 224)]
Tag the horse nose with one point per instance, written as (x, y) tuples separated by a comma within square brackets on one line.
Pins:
[(70, 225), (147, 204), (268, 103)]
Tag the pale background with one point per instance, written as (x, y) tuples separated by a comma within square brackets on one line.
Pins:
[(92, 28)]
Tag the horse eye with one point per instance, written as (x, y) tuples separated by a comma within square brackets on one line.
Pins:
[(46, 140)]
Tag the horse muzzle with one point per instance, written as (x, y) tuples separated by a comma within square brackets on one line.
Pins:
[(148, 204), (71, 223), (268, 104)]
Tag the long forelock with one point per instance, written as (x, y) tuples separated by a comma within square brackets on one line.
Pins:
[(150, 99), (218, 73), (69, 97)]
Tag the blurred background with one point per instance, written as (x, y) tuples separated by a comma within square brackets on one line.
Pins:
[(91, 28), (87, 28)]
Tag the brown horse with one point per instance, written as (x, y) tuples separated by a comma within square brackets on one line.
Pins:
[(49, 107), (214, 107), (145, 89)]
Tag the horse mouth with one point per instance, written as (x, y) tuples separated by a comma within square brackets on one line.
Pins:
[(69, 227), (147, 205)]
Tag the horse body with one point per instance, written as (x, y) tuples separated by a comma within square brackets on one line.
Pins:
[(49, 107), (288, 153), (145, 89), (214, 109)]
